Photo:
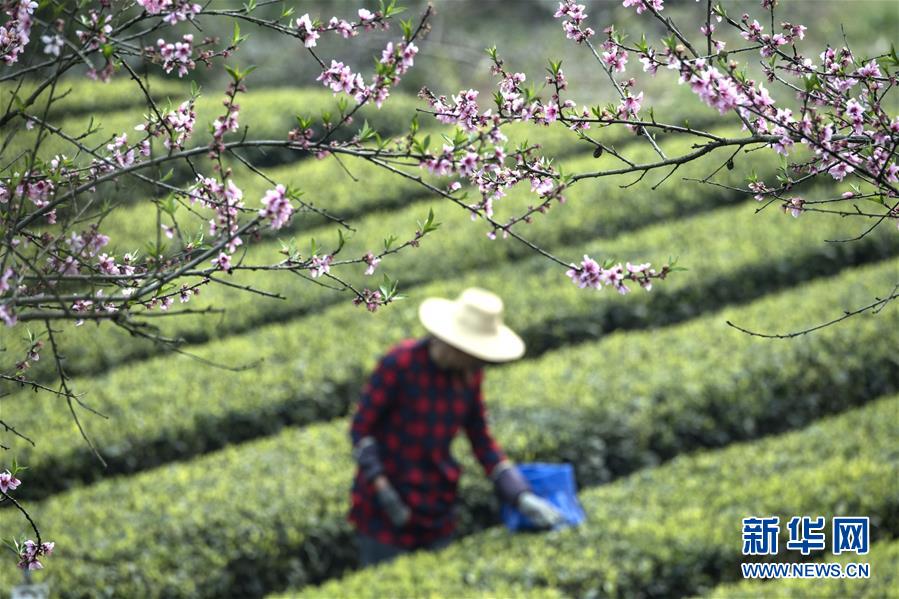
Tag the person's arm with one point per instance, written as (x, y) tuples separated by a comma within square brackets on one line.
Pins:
[(378, 393), (508, 482), (485, 448)]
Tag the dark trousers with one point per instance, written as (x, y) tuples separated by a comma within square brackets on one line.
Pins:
[(372, 551)]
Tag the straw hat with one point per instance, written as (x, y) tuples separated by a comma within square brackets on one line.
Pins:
[(472, 323)]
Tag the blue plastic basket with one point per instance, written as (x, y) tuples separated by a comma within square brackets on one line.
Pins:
[(553, 482)]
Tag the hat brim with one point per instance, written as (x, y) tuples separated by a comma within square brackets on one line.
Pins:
[(437, 315)]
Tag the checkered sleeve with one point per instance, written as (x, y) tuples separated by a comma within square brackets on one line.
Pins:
[(484, 446), (377, 394)]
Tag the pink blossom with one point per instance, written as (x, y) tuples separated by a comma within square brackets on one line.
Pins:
[(649, 63), (343, 28), (178, 10), (588, 275), (839, 170), (630, 105), (16, 32), (229, 123), (869, 70), (7, 315), (223, 261), (372, 262), (551, 112), (753, 31), (643, 5), (637, 268), (307, 32), (177, 55), (107, 265), (591, 274), (615, 58), (468, 164), (794, 206), (4, 279), (408, 54), (8, 482), (52, 44), (759, 188), (340, 78), (277, 206), (320, 266), (371, 299), (576, 15), (29, 553)]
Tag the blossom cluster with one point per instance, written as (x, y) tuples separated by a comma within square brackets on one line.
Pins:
[(175, 10), (16, 32), (643, 5), (309, 32), (396, 60), (227, 122), (771, 42), (30, 552), (483, 159), (98, 27), (226, 201), (575, 15), (177, 125), (340, 78), (371, 299), (590, 274), (277, 207), (177, 55)]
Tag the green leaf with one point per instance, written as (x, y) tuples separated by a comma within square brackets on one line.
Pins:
[(430, 224), (169, 205), (366, 132), (406, 26), (642, 45)]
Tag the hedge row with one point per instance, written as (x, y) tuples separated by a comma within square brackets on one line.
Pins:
[(674, 530), (271, 513), (882, 584), (83, 96), (459, 246), (304, 376)]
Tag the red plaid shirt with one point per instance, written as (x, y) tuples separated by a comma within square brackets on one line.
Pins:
[(413, 409)]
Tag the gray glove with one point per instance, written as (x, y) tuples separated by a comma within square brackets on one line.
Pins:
[(398, 512), (538, 510)]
